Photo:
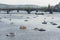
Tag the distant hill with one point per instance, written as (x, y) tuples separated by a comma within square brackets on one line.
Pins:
[(3, 5), (18, 6)]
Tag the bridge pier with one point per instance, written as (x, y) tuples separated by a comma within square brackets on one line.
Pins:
[(8, 11), (36, 10), (50, 11), (17, 10), (28, 11)]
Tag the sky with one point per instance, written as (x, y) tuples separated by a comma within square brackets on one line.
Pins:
[(33, 2)]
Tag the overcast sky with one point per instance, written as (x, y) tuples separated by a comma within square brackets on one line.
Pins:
[(36, 2)]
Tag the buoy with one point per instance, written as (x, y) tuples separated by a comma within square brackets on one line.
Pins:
[(42, 29), (39, 13), (7, 35), (58, 27), (53, 23), (44, 22), (39, 29), (23, 27), (25, 20), (11, 34)]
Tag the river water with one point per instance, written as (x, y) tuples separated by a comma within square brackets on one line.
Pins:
[(12, 22)]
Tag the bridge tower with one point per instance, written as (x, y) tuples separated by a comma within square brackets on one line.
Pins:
[(50, 9)]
